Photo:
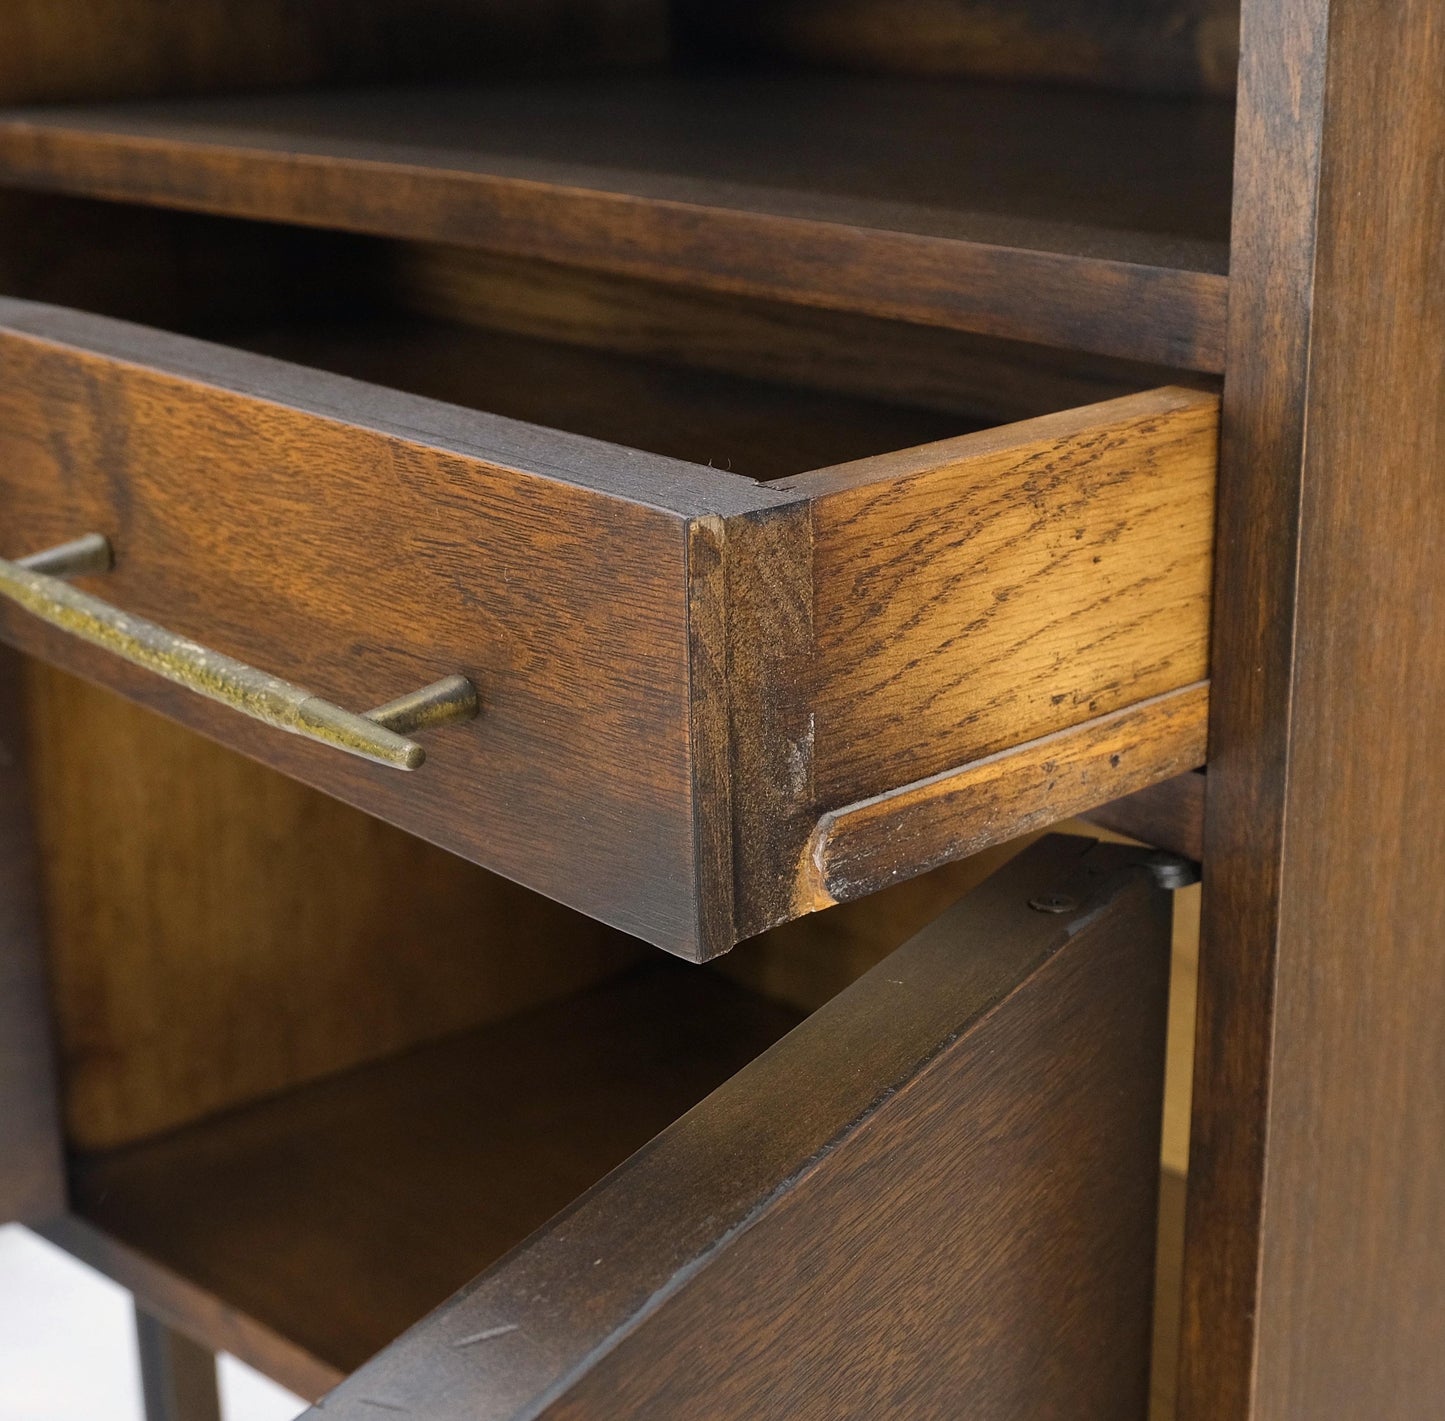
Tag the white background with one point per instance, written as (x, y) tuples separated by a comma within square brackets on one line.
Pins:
[(67, 1345)]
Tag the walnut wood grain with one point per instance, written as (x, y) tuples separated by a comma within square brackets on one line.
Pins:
[(936, 1195), (1169, 815), (1169, 46), (1023, 213), (31, 1181), (218, 933), (336, 1215), (864, 847), (58, 50), (1315, 1264)]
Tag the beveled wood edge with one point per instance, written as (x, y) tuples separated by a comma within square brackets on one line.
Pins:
[(1081, 421), (1067, 299), (863, 847), (586, 1279), (192, 1309)]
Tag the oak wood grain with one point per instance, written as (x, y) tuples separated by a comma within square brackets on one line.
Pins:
[(31, 1181), (863, 847), (1064, 561), (1025, 213), (338, 1214), (937, 1194), (1315, 1262), (218, 933)]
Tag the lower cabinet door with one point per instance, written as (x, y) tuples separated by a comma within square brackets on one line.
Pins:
[(935, 1197)]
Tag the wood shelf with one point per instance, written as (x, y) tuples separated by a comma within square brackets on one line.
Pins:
[(309, 1230), (1078, 219)]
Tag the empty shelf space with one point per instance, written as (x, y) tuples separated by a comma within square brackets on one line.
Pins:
[(337, 1215), (1069, 218)]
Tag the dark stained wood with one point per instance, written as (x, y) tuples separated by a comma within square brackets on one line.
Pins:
[(337, 1215), (929, 367), (1170, 46), (189, 1308), (1315, 1267), (1169, 815), (755, 428), (1080, 220), (937, 1196), (217, 932), (31, 1182), (177, 1376), (426, 556), (94, 49), (1168, 1285), (861, 848), (633, 622)]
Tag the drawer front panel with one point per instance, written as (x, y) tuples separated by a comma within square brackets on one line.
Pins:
[(363, 552)]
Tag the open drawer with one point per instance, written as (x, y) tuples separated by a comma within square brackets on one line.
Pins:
[(935, 1195), (707, 703)]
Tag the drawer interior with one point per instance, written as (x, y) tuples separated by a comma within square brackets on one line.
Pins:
[(744, 385)]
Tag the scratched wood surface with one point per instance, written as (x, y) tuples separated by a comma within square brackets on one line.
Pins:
[(864, 847), (217, 932), (1019, 212), (958, 1154), (31, 1183)]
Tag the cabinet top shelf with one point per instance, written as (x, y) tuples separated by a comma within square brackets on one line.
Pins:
[(1064, 217)]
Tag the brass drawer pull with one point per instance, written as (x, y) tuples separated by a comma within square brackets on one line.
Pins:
[(35, 583)]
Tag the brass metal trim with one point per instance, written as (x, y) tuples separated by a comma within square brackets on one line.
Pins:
[(35, 584)]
